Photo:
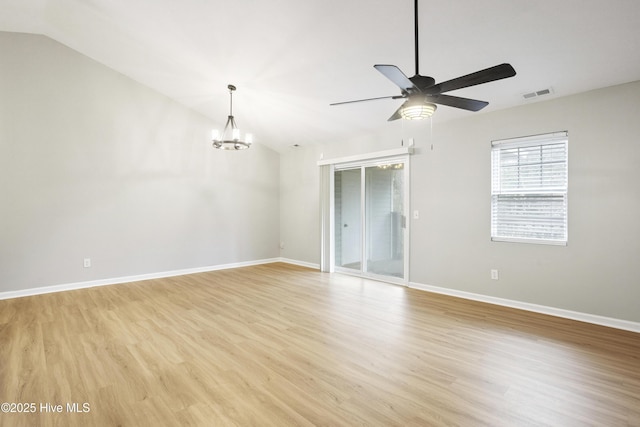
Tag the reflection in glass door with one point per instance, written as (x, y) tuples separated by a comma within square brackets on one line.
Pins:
[(369, 219), (385, 220), (348, 218)]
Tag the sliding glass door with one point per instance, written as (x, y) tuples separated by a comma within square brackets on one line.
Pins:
[(369, 218)]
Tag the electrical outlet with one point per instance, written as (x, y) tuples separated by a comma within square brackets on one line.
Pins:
[(494, 274), (87, 262), (281, 245)]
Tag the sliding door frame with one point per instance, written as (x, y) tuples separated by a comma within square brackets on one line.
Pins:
[(362, 165)]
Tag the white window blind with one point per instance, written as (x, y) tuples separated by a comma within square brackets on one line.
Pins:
[(529, 189)]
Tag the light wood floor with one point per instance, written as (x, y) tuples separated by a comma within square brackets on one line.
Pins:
[(283, 345)]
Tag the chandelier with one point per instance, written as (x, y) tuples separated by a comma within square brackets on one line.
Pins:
[(230, 137)]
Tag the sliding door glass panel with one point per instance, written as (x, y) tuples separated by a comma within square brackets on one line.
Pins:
[(348, 218), (384, 219)]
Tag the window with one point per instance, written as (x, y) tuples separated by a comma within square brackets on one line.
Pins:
[(529, 189)]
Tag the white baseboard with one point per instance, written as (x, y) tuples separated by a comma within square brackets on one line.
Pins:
[(300, 263), (127, 279), (552, 311)]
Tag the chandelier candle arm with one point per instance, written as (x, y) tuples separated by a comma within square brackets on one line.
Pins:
[(233, 141)]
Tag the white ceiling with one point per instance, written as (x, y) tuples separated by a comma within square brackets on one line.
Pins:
[(290, 58)]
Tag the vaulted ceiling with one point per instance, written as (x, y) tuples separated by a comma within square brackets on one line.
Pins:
[(290, 59)]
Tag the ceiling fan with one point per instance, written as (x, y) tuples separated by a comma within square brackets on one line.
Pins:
[(422, 92)]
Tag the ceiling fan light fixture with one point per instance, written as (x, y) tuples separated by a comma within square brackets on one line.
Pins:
[(417, 110), (230, 138)]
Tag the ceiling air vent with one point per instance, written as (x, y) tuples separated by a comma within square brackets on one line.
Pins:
[(538, 93)]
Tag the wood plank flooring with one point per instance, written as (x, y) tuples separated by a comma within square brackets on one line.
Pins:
[(280, 345)]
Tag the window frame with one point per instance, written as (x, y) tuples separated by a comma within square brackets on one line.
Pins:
[(550, 194)]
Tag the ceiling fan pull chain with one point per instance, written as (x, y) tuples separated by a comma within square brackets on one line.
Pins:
[(431, 131)]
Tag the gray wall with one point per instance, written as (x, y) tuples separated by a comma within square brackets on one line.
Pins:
[(598, 272), (93, 164), (299, 205)]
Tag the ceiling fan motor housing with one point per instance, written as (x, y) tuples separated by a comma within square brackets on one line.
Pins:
[(422, 82)]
